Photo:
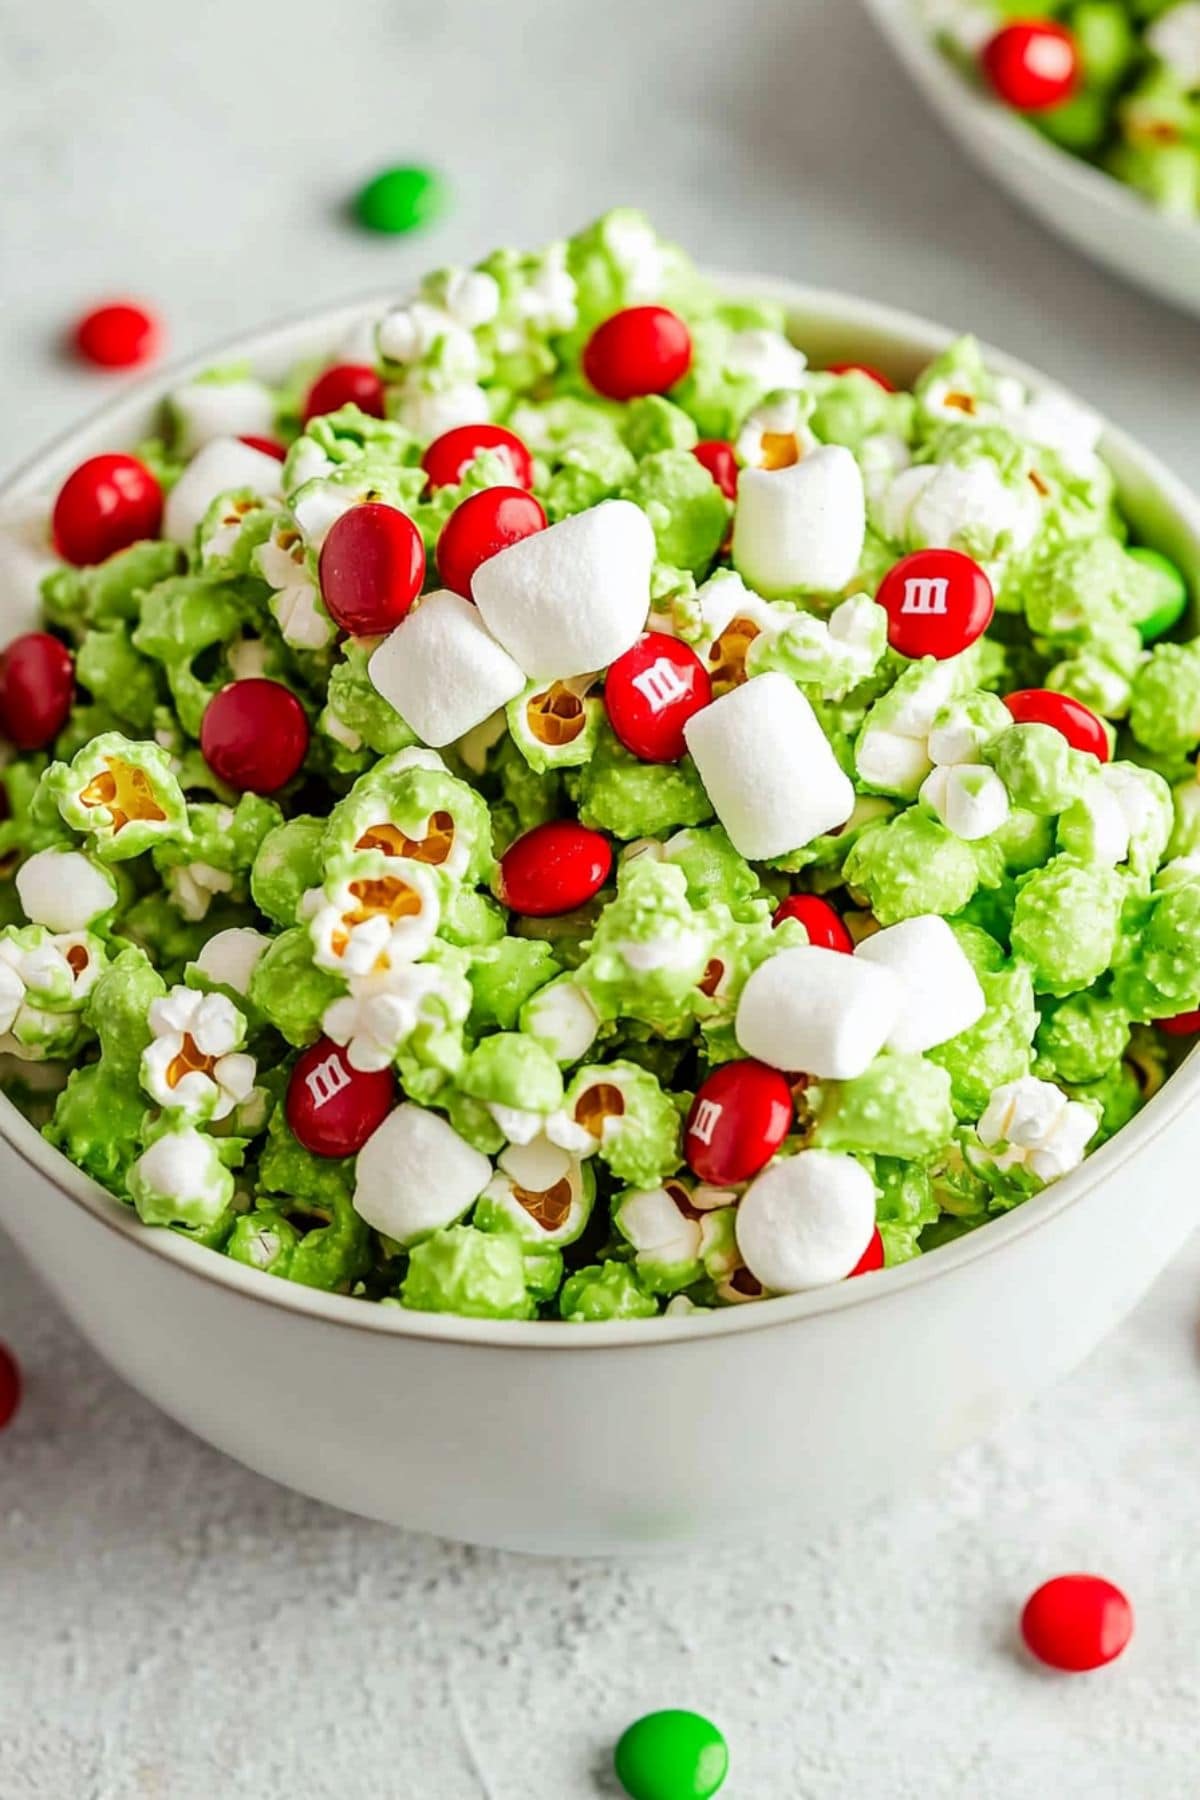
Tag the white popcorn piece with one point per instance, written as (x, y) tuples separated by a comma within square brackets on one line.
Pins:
[(775, 435), (192, 887), (193, 1064), (299, 611), (1175, 40), (519, 1126), (969, 798), (231, 957), (377, 1018), (942, 995), (204, 410), (181, 1169), (818, 1012), (571, 599), (888, 760), (806, 1220), (801, 528), (960, 506), (385, 914), (26, 558), (306, 461), (768, 768), (766, 357), (12, 996), (1059, 423), (442, 669), (1044, 1131), (561, 1017), (415, 1175), (541, 1189), (428, 412), (64, 890), (223, 465)]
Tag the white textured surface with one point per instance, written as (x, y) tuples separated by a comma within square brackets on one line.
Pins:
[(173, 1628)]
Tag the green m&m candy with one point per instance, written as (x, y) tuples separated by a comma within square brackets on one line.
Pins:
[(671, 1756), (1171, 595), (401, 199)]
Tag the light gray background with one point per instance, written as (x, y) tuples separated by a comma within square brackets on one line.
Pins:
[(174, 1628)]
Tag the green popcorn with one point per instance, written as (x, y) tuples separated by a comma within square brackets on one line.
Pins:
[(621, 261), (221, 847), (1082, 591), (1089, 676), (832, 657), (1165, 709), (634, 799), (998, 1047), (45, 979), (1066, 922), (117, 676), (1026, 840), (540, 1193), (527, 798), (556, 725), (604, 1291), (108, 593), (1139, 804), (852, 408), (264, 1239), (653, 423), (689, 513), (472, 1120), (569, 424), (905, 1206), (1185, 830), (346, 437), (620, 1111), (650, 949), (287, 865), (334, 1250), (411, 808), (1159, 973), (355, 715), (958, 377), (1104, 39), (1167, 597), (288, 988), (715, 873), (679, 1235), (471, 920), (518, 1081), (892, 751), (185, 616), (1080, 1038), (1039, 768), (586, 476), (181, 1180), (720, 388), (120, 792), (1119, 1097), (1079, 124), (477, 1274), (155, 925), (912, 865), (233, 529), (899, 1106), (829, 852), (504, 976)]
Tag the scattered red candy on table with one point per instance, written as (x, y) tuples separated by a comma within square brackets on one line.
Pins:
[(254, 735), (37, 684), (371, 568), (479, 528), (643, 350), (268, 446), (741, 1114), (1080, 726), (106, 504), (1032, 64), (823, 925), (346, 384), (333, 1108), (451, 455), (554, 868), (1182, 1025), (651, 692), (117, 336), (10, 1386), (871, 1258), (871, 374), (715, 455), (1077, 1622), (937, 602)]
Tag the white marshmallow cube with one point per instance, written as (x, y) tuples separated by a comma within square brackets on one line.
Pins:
[(942, 995), (205, 410), (442, 669), (415, 1175), (571, 599), (969, 798), (818, 1012), (806, 1221), (767, 767), (223, 465), (64, 890), (803, 527)]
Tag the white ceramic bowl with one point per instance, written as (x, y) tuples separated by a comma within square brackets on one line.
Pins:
[(600, 1438), (1101, 216)]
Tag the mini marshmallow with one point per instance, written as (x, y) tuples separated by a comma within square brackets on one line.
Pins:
[(231, 957), (801, 527), (888, 760), (818, 1012), (205, 410), (223, 465), (562, 1018), (64, 889), (571, 599), (415, 1175), (942, 995), (969, 798), (442, 670), (767, 767), (806, 1220)]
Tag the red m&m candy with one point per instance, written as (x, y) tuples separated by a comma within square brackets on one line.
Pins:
[(715, 455), (333, 1108), (346, 384), (371, 568), (268, 446), (1182, 1025), (1077, 1622), (871, 374), (479, 528), (1080, 726), (1032, 64), (451, 455), (937, 602), (37, 685), (254, 735), (871, 1258), (739, 1118), (10, 1386), (823, 925), (106, 504), (117, 336), (651, 692), (554, 868), (643, 350)]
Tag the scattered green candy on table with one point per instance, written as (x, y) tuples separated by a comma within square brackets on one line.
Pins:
[(404, 198), (671, 1755)]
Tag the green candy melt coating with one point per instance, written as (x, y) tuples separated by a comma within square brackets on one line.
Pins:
[(671, 1755)]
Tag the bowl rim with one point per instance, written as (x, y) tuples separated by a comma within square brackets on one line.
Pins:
[(951, 92), (914, 338)]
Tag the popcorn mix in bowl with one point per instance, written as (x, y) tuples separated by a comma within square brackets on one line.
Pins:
[(585, 816)]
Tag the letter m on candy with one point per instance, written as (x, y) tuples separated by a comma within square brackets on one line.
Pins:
[(326, 1080), (925, 594), (660, 685)]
